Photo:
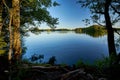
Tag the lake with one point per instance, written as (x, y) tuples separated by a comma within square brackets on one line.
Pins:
[(68, 47)]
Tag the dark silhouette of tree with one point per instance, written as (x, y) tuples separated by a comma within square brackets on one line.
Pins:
[(52, 60), (37, 58), (109, 12)]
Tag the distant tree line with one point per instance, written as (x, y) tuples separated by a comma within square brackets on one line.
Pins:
[(94, 30)]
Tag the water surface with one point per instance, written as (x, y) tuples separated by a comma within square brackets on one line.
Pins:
[(68, 47)]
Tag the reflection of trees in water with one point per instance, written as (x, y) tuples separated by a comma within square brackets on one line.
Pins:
[(94, 31), (63, 32), (94, 34)]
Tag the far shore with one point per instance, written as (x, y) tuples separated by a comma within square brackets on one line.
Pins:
[(67, 29)]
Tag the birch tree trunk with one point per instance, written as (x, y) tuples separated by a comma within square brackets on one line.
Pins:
[(10, 36), (16, 31)]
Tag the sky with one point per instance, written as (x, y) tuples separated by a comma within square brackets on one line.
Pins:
[(70, 14)]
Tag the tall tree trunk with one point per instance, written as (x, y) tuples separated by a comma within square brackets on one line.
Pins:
[(16, 32), (111, 43), (1, 20), (10, 36)]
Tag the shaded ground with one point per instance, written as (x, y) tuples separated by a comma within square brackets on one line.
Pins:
[(32, 72), (60, 73), (69, 73)]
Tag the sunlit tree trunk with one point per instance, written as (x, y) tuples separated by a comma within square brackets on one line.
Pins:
[(16, 31), (1, 20), (10, 35), (10, 12), (10, 40)]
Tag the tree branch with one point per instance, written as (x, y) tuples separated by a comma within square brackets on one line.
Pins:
[(100, 12), (116, 31), (5, 5), (115, 9), (67, 75), (115, 20), (99, 23)]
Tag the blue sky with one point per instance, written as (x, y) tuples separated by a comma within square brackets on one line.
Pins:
[(70, 14)]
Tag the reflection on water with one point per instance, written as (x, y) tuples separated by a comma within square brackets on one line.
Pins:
[(67, 47), (94, 31)]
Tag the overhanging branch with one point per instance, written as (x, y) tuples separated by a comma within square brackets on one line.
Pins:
[(99, 23), (115, 9), (116, 31), (5, 4), (100, 12)]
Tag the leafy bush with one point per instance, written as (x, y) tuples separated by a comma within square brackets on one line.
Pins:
[(37, 58), (52, 60), (79, 63)]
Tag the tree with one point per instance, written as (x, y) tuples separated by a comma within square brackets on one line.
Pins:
[(34, 12), (109, 12), (16, 31), (52, 60), (14, 28), (18, 13)]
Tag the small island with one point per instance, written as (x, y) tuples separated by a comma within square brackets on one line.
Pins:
[(94, 30)]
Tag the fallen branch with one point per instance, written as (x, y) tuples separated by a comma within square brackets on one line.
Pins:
[(43, 67), (67, 75)]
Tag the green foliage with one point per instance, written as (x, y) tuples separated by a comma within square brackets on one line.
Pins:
[(35, 12), (63, 29), (25, 61), (63, 64), (35, 30), (106, 62), (103, 63), (94, 30), (52, 60), (2, 52), (19, 74), (78, 30), (97, 9), (80, 64), (3, 44), (56, 4), (37, 58)]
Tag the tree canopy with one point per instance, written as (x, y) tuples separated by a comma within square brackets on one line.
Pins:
[(35, 12), (15, 15), (98, 10), (105, 11)]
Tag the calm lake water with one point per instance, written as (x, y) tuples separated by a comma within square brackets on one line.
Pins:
[(68, 47)]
